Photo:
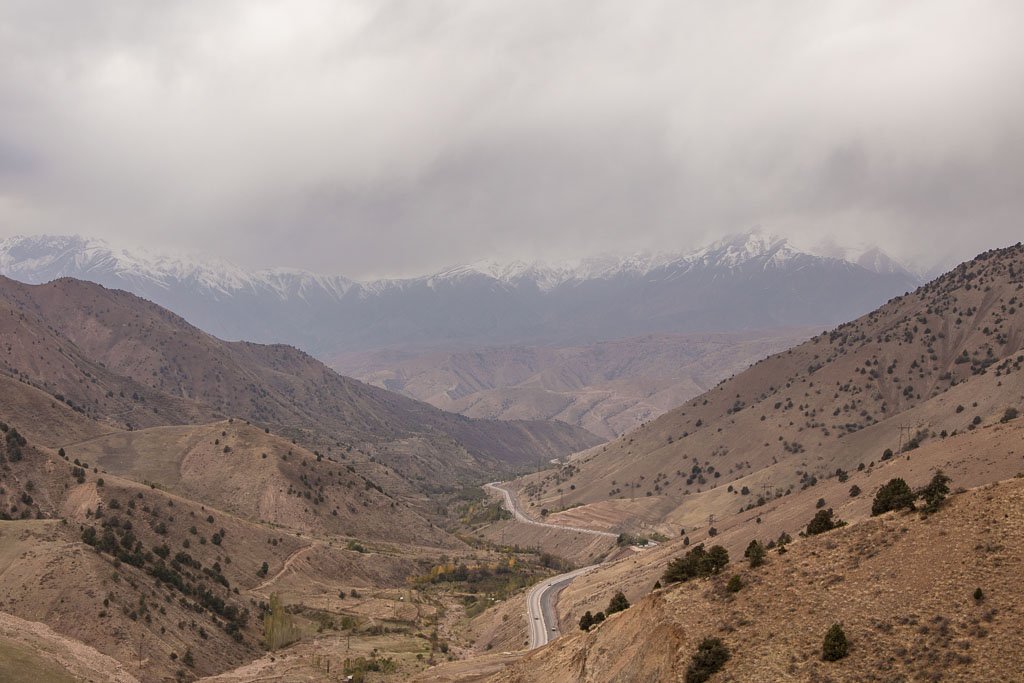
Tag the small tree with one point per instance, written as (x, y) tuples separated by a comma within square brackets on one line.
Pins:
[(586, 621), (895, 495), (823, 521), (935, 491), (854, 491), (264, 569), (710, 657), (617, 603), (755, 553), (735, 584), (279, 627), (835, 646), (718, 557)]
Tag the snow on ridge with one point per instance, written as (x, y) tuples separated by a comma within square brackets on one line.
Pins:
[(45, 257)]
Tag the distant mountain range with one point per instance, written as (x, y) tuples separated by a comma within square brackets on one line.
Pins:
[(747, 281)]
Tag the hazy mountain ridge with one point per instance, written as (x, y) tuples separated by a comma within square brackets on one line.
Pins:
[(746, 281), (607, 388)]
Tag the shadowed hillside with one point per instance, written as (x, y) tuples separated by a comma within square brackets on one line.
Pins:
[(131, 363)]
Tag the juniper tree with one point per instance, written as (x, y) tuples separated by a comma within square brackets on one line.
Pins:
[(935, 491), (895, 495), (617, 603), (755, 553)]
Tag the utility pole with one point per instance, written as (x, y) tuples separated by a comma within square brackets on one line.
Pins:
[(902, 429)]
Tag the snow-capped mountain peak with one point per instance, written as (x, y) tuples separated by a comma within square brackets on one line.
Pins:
[(754, 279), (41, 258), (736, 250)]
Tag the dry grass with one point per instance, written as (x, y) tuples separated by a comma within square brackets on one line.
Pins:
[(901, 586)]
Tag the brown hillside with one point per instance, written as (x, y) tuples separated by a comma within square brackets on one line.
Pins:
[(265, 478), (43, 418), (607, 388), (902, 587), (35, 352), (973, 459), (180, 575), (935, 362), (126, 360)]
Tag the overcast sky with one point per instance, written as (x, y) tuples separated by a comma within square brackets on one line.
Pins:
[(384, 138)]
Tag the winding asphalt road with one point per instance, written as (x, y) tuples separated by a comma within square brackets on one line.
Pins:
[(540, 601)]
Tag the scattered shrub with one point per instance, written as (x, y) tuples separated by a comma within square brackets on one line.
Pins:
[(823, 521), (835, 646), (586, 621), (895, 495), (755, 553), (935, 491), (618, 603), (696, 563), (710, 657)]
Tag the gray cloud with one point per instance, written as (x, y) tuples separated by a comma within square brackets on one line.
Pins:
[(372, 138)]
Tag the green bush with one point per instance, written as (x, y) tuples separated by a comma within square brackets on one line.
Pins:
[(895, 495), (586, 621), (835, 646), (935, 491), (755, 553), (696, 563), (823, 521), (618, 603), (735, 584), (710, 657)]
